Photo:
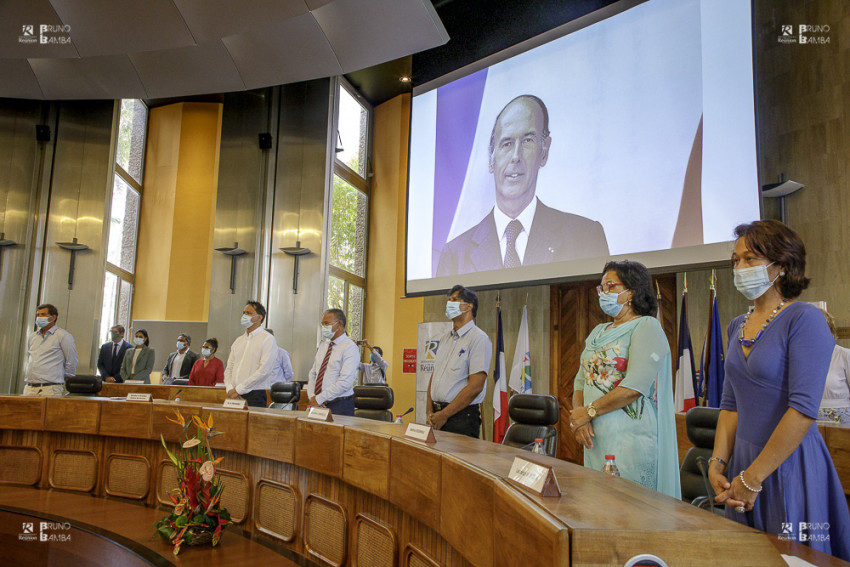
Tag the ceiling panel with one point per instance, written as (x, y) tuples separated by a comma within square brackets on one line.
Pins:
[(108, 27), (18, 80), (288, 51), (214, 19), (386, 29), (186, 70), (89, 78)]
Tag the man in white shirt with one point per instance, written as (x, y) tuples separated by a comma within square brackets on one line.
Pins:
[(331, 380), (250, 368), (284, 365), (375, 371), (52, 355)]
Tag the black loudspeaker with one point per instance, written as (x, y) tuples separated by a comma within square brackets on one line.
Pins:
[(265, 141), (42, 133)]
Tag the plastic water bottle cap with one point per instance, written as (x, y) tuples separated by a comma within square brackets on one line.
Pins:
[(611, 457), (538, 440)]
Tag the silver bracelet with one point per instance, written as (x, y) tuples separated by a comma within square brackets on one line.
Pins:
[(719, 460), (747, 486)]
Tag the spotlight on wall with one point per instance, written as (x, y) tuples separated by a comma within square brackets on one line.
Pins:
[(779, 191), (296, 251), (234, 253)]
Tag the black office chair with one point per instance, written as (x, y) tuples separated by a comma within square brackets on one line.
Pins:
[(180, 382), (373, 402), (534, 417), (83, 385), (701, 424), (285, 395)]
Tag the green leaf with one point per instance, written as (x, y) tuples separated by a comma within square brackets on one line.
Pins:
[(170, 456), (181, 521)]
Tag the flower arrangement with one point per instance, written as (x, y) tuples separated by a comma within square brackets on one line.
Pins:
[(197, 517), (606, 370)]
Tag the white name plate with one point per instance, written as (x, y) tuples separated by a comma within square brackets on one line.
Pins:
[(134, 381), (538, 478), (235, 403), (420, 433), (139, 397), (319, 414)]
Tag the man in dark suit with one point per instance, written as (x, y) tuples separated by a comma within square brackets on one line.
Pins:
[(111, 355), (521, 230), (180, 362)]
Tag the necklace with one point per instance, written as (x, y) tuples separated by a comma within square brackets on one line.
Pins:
[(749, 343)]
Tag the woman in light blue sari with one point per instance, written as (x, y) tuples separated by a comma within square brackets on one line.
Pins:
[(623, 393)]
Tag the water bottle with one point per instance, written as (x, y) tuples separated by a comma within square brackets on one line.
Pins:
[(610, 466), (538, 447), (398, 419)]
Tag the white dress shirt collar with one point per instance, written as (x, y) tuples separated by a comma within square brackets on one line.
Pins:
[(525, 218)]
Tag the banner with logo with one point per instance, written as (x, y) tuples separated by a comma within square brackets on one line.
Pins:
[(428, 338)]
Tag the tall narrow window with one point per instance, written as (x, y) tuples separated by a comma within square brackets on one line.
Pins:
[(127, 177), (349, 210)]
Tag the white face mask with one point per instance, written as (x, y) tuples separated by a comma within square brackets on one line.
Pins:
[(328, 331), (754, 282), (42, 322), (138, 341), (453, 309), (206, 351), (180, 345), (246, 321)]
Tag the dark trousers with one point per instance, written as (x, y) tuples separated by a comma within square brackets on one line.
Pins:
[(256, 398), (341, 406), (465, 422)]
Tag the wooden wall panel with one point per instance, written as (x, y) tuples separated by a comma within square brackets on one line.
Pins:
[(72, 415), (22, 413), (234, 424), (366, 461), (466, 515), (272, 436), (415, 480), (161, 426), (126, 419), (318, 446)]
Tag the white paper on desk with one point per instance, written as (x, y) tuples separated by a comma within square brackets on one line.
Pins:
[(219, 385), (793, 561)]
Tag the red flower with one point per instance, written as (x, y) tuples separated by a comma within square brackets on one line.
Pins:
[(621, 363)]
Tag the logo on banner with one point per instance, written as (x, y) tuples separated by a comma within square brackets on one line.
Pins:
[(431, 349)]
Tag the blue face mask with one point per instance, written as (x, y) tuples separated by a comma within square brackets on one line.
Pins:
[(609, 305), (754, 282), (453, 309), (374, 357)]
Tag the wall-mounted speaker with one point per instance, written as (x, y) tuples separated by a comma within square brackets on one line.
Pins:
[(42, 133), (265, 141)]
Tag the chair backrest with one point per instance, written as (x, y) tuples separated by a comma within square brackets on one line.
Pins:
[(180, 382), (701, 424), (286, 392), (373, 402), (534, 416), (83, 384)]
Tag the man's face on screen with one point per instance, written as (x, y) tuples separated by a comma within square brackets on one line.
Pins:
[(520, 151)]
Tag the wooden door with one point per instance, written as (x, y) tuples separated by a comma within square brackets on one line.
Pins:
[(574, 313)]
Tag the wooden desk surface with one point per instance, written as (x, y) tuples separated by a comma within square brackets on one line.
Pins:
[(449, 498), (135, 523)]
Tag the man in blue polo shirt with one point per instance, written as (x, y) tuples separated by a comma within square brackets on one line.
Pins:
[(456, 388)]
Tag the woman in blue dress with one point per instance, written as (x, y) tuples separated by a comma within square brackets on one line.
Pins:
[(625, 380), (770, 465)]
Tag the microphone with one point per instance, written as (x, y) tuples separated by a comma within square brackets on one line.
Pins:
[(407, 412), (175, 394)]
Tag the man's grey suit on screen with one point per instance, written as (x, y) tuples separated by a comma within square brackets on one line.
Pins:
[(555, 236)]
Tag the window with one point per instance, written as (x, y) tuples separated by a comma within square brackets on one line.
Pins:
[(124, 217), (349, 210)]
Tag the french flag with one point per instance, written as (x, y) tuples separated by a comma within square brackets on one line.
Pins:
[(500, 392)]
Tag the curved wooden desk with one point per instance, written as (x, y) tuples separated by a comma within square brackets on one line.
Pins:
[(357, 492)]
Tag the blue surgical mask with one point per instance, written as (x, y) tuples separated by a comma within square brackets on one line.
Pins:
[(328, 331), (138, 341), (246, 321), (374, 357), (754, 282), (42, 322), (206, 351), (453, 309), (180, 345), (609, 305)]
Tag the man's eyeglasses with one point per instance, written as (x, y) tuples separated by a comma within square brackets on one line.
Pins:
[(607, 287)]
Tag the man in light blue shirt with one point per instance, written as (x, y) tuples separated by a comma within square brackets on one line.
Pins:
[(456, 388), (284, 365), (52, 355), (331, 380)]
